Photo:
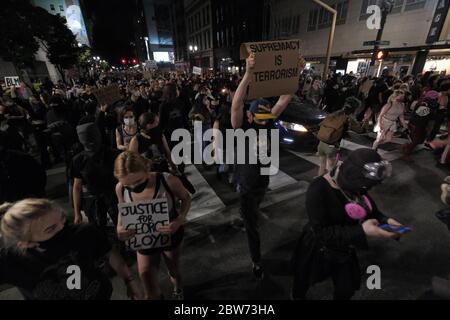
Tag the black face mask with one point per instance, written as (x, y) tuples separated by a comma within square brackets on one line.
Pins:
[(139, 188), (58, 241), (154, 132)]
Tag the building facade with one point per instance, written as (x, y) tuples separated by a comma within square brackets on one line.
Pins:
[(199, 30), (216, 29), (158, 39), (179, 32), (72, 11), (408, 29)]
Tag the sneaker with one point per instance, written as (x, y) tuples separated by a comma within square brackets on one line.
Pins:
[(178, 295), (258, 272)]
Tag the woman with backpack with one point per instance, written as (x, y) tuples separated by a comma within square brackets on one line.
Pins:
[(152, 144), (387, 120), (330, 134), (420, 120), (138, 184)]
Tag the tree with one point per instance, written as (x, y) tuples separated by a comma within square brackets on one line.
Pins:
[(58, 42), (24, 28), (18, 44)]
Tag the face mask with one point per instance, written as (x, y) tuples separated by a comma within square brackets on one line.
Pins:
[(139, 188), (154, 132), (129, 121), (58, 241)]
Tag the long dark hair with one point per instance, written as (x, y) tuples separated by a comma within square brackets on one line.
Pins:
[(169, 93)]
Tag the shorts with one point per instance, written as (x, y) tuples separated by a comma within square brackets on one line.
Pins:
[(327, 150), (176, 238)]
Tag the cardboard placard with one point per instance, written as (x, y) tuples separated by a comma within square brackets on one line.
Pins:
[(276, 69), (148, 75), (108, 95), (145, 218), (197, 71), (12, 81)]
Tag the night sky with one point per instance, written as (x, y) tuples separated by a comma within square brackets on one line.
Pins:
[(112, 29)]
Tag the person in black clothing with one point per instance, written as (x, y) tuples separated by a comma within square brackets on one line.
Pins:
[(93, 179), (140, 105), (173, 112), (21, 176), (41, 249), (222, 123), (152, 144), (14, 140), (252, 183), (341, 217), (374, 101)]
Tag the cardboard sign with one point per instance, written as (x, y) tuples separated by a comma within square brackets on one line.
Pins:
[(108, 95), (276, 69), (12, 81), (146, 218), (148, 75), (197, 71)]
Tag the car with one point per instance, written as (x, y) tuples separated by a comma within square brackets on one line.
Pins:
[(299, 123)]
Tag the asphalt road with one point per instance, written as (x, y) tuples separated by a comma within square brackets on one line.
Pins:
[(216, 262)]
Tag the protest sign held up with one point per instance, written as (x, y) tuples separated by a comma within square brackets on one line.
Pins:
[(108, 95), (276, 70), (12, 81), (197, 71), (146, 218)]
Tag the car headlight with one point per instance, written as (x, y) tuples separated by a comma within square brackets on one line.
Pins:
[(293, 126)]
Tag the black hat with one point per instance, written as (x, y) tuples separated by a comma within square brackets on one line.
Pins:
[(352, 174)]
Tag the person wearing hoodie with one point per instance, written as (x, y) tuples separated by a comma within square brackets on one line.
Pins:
[(342, 216), (93, 179)]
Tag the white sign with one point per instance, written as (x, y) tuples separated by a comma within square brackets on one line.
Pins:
[(146, 218), (12, 81), (197, 70), (151, 65)]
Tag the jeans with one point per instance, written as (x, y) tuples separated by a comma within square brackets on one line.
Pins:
[(250, 202)]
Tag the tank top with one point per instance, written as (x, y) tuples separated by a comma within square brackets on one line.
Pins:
[(126, 138), (395, 111), (162, 191)]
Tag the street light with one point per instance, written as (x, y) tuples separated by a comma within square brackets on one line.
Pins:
[(195, 48), (191, 48)]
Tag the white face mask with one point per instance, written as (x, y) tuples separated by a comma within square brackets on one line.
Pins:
[(129, 122)]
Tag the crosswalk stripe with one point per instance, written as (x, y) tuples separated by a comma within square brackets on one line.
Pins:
[(205, 200), (281, 179)]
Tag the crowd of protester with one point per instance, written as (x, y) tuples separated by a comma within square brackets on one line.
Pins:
[(121, 152)]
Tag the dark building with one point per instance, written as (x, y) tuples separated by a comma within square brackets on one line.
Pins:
[(179, 32), (215, 30), (234, 22), (140, 32)]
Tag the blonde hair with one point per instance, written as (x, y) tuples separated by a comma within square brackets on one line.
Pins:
[(130, 162), (16, 218)]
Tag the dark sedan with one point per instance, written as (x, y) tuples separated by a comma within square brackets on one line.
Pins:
[(299, 123)]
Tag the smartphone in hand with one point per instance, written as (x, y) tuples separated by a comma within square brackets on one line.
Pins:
[(395, 229)]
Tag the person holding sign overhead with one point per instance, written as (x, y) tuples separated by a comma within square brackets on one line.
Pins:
[(141, 189), (252, 184)]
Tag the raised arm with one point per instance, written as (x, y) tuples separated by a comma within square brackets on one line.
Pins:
[(237, 106)]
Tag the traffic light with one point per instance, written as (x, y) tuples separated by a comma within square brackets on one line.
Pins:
[(123, 61), (381, 55), (134, 61)]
